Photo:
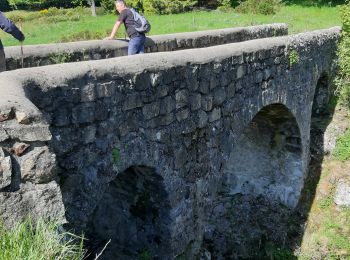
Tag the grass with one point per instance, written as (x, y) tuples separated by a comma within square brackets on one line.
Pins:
[(342, 151), (327, 233), (40, 241), (53, 29)]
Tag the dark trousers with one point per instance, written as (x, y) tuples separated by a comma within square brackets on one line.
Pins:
[(2, 60), (137, 45)]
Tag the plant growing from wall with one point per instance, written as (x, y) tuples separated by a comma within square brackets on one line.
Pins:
[(293, 57), (60, 57), (116, 156)]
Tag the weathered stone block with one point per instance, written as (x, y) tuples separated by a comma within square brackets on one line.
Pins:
[(88, 134), (181, 97), (61, 117), (241, 70), (182, 114), (214, 115), (204, 87), (259, 77), (5, 169), (202, 119), (207, 102), (38, 165), (231, 90), (27, 133), (106, 89), (132, 101), (195, 101), (101, 111), (3, 135), (162, 90), (219, 96), (88, 93), (167, 105), (23, 118), (83, 113), (151, 110)]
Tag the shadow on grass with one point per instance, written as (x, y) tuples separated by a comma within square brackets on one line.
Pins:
[(317, 3)]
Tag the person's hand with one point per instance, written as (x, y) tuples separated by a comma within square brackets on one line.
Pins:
[(108, 38)]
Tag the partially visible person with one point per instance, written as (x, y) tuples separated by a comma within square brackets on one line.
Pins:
[(7, 26), (137, 39)]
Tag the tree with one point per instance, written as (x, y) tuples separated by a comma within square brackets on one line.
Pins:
[(93, 7)]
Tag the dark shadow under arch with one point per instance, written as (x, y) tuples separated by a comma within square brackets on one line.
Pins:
[(134, 214), (267, 159)]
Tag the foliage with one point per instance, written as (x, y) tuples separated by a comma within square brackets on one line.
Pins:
[(145, 254), (40, 241), (162, 6), (108, 6), (116, 155), (38, 4), (51, 15), (60, 58), (265, 7), (4, 6), (293, 57), (343, 80), (274, 252), (314, 2)]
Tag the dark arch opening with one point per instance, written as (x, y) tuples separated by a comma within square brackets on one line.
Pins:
[(267, 159), (134, 214), (321, 97), (263, 178)]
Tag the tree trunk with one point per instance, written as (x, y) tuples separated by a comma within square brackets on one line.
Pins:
[(93, 7)]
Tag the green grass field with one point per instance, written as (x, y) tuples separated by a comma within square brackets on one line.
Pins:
[(82, 27)]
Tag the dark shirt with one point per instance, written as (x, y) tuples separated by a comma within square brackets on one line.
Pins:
[(127, 18), (7, 26)]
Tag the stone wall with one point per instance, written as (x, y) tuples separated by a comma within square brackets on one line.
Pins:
[(81, 138), (40, 55)]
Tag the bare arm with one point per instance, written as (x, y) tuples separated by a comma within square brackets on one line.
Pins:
[(114, 31)]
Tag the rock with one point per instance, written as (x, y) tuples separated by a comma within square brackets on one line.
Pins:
[(27, 133), (3, 135), (342, 193), (5, 169), (41, 201), (19, 148), (23, 118), (38, 166), (151, 110), (5, 114), (181, 97)]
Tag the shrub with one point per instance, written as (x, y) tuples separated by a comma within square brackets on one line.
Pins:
[(4, 6), (162, 6), (343, 79), (108, 6), (266, 7), (40, 241)]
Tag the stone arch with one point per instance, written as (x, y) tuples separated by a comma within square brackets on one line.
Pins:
[(321, 96), (267, 158), (134, 214)]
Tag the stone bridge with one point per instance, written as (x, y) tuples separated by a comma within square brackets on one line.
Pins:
[(154, 151)]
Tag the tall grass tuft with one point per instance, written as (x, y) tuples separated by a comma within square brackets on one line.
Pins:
[(39, 241)]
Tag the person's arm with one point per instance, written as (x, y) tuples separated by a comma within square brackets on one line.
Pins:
[(9, 27), (114, 31)]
